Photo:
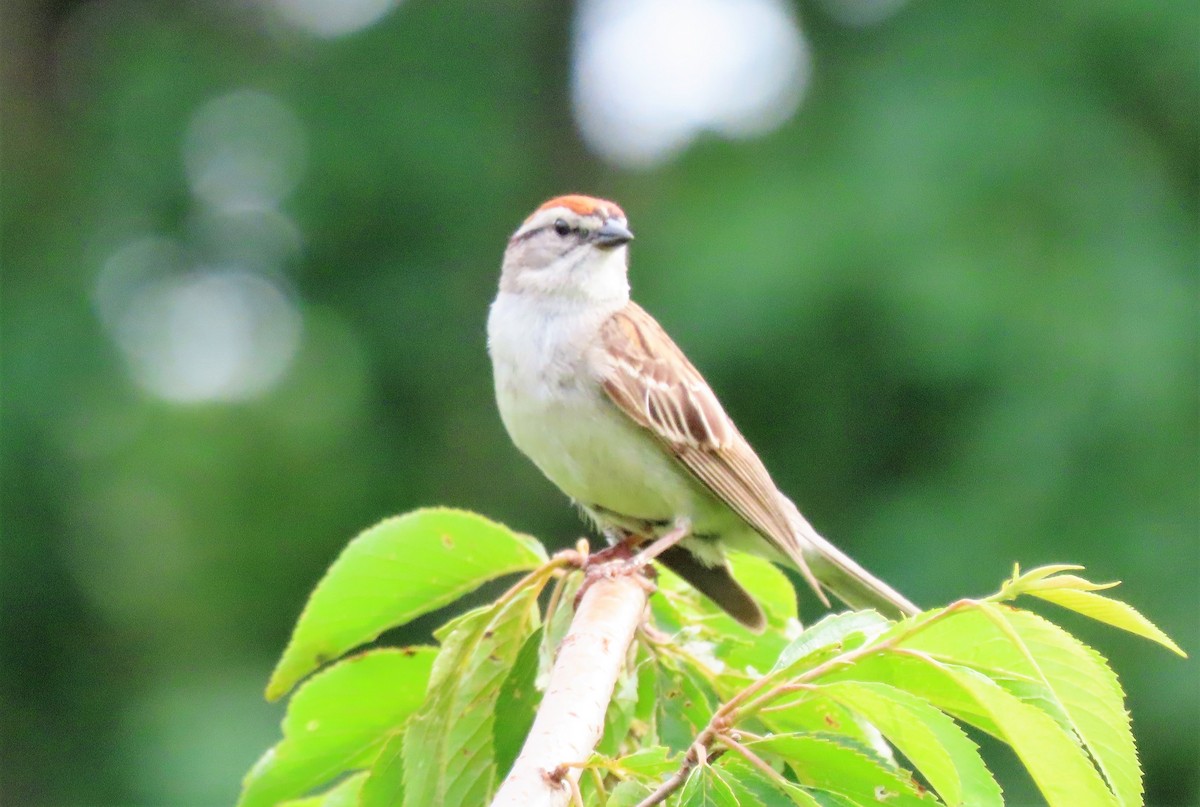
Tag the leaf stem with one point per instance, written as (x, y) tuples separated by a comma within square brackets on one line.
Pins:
[(753, 698)]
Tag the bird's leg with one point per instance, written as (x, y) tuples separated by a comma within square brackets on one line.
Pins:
[(603, 563), (621, 544), (681, 530)]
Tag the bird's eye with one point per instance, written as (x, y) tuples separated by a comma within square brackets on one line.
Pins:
[(562, 228)]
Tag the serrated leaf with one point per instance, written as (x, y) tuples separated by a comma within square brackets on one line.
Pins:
[(919, 675), (1048, 668), (1086, 691), (393, 572), (831, 766), (765, 790), (927, 737), (829, 632), (1055, 760), (813, 712), (705, 788), (338, 720), (448, 752), (344, 794), (1057, 764), (1111, 612), (384, 785), (516, 705)]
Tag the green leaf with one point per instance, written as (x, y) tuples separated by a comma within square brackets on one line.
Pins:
[(1048, 668), (1068, 581), (384, 786), (1055, 761), (831, 766), (831, 631), (621, 713), (705, 788), (651, 763), (338, 720), (932, 741), (749, 781), (1074, 592), (516, 705), (448, 752), (644, 728), (393, 572), (768, 585), (1086, 690), (1020, 583), (1109, 611), (558, 622), (627, 794), (345, 793), (813, 712), (922, 677), (1053, 757), (684, 706)]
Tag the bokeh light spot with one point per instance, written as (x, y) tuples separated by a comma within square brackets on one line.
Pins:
[(650, 75), (243, 150), (207, 334), (331, 18)]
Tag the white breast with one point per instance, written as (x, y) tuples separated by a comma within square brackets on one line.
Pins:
[(558, 415)]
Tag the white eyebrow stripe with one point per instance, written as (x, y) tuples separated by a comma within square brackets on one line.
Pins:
[(544, 218)]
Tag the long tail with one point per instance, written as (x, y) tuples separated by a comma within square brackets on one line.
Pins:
[(849, 582)]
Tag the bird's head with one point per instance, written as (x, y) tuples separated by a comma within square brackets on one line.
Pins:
[(572, 247)]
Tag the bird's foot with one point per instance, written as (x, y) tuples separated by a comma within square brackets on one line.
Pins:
[(681, 530), (622, 550), (618, 559)]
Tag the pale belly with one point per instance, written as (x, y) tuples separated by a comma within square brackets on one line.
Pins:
[(586, 447)]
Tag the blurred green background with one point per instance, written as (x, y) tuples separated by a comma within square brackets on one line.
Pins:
[(939, 260)]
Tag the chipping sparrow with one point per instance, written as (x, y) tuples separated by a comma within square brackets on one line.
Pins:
[(593, 390)]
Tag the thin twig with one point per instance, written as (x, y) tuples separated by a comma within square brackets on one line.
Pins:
[(696, 755), (576, 795)]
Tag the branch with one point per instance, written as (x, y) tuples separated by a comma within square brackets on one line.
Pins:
[(570, 720)]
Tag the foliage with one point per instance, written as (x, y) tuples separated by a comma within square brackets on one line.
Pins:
[(853, 710)]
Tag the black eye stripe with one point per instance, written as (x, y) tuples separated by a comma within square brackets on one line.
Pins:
[(581, 231)]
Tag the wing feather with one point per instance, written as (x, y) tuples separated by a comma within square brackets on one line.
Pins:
[(650, 380)]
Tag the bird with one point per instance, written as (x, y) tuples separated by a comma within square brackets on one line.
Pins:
[(597, 395)]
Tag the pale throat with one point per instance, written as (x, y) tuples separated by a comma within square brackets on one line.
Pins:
[(603, 276)]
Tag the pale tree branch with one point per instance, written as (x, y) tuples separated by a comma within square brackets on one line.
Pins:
[(570, 720)]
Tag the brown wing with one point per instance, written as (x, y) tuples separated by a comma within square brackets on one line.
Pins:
[(651, 380)]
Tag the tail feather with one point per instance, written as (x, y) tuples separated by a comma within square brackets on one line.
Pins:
[(716, 583), (849, 582)]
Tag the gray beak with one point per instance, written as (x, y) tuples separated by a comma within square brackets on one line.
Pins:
[(612, 234)]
